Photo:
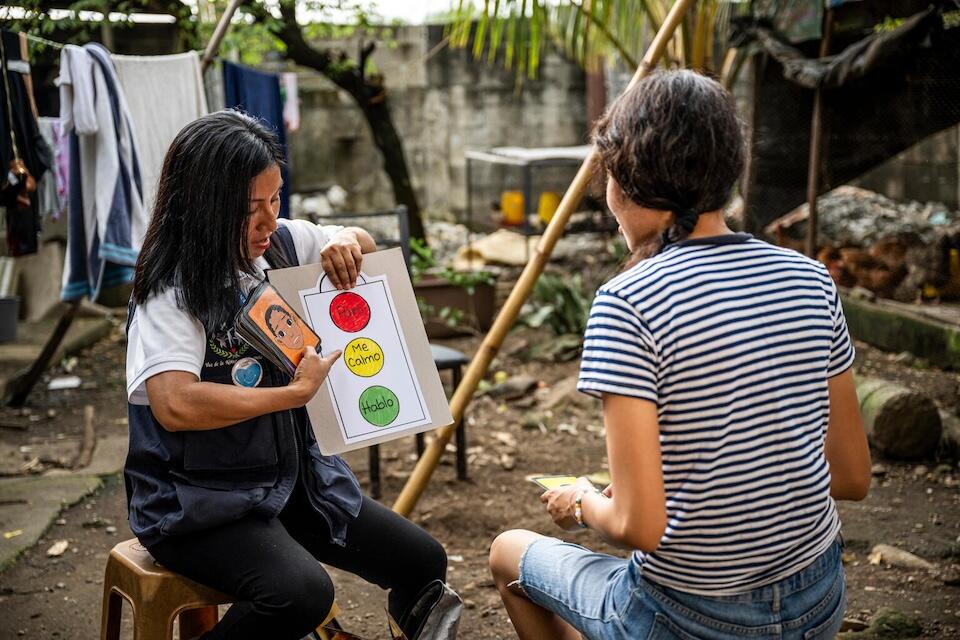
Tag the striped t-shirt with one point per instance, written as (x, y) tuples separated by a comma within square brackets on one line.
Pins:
[(734, 340)]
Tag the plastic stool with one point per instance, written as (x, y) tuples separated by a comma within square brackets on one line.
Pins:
[(157, 596)]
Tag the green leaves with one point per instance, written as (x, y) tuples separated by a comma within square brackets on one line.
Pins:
[(559, 303), (423, 261), (421, 258), (468, 280), (515, 32)]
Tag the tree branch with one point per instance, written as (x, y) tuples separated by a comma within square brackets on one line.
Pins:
[(335, 65), (365, 51)]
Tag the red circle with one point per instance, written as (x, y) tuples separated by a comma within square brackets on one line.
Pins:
[(349, 312)]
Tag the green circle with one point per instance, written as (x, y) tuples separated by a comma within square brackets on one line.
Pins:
[(379, 406)]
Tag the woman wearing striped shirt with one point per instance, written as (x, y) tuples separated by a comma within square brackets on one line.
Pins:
[(723, 364)]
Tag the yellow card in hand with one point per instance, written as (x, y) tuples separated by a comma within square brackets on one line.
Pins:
[(552, 482)]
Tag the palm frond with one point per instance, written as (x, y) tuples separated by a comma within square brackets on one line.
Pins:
[(514, 32)]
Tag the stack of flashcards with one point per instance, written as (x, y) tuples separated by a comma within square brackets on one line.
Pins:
[(274, 329)]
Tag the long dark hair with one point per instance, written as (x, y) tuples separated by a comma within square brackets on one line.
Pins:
[(673, 142), (196, 240)]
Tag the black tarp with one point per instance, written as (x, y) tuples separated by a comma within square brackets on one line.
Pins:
[(882, 94)]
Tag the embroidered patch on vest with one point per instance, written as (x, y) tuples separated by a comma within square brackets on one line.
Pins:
[(247, 372), (228, 344)]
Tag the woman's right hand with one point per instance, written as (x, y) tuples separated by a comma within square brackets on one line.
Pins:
[(310, 374)]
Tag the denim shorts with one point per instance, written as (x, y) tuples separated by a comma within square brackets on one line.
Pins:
[(605, 597)]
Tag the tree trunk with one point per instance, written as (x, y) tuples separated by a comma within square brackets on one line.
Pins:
[(368, 92), (900, 423), (388, 141)]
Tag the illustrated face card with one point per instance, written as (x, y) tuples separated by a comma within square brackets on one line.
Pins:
[(373, 386), (282, 326)]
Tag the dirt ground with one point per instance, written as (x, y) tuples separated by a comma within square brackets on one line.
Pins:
[(552, 430)]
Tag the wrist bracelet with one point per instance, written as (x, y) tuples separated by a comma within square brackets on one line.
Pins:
[(578, 509)]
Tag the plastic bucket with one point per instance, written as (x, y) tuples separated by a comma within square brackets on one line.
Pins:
[(547, 206), (511, 204)]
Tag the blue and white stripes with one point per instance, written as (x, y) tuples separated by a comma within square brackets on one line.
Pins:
[(733, 339), (106, 216)]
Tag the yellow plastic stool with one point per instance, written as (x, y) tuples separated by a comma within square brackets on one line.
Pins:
[(157, 596)]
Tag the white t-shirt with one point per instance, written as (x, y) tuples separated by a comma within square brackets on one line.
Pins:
[(163, 337)]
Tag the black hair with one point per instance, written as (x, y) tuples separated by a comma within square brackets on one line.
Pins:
[(196, 240), (673, 142), (274, 308)]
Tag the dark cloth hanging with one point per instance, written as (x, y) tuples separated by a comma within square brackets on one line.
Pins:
[(23, 217), (881, 95), (857, 61), (258, 94)]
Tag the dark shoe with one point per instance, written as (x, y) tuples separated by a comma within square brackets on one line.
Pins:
[(435, 615)]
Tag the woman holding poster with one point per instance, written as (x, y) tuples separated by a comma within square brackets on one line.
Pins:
[(225, 482), (732, 423)]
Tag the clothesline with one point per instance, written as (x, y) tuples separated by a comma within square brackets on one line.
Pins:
[(61, 45), (41, 40)]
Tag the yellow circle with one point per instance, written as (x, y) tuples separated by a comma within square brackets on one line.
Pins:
[(363, 357)]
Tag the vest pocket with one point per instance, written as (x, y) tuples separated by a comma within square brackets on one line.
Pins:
[(202, 507), (246, 446), (329, 479)]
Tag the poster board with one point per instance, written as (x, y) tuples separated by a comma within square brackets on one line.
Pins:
[(385, 385)]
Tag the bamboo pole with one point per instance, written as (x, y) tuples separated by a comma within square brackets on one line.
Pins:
[(218, 33), (414, 487)]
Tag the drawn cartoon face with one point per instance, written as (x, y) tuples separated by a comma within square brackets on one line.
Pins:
[(284, 327)]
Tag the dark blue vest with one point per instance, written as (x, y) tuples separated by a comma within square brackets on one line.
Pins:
[(186, 481)]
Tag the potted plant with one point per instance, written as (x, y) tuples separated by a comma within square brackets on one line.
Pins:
[(451, 302)]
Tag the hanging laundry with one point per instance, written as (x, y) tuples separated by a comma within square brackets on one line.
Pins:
[(164, 93), (52, 189), (258, 94), (24, 156), (291, 101), (106, 216)]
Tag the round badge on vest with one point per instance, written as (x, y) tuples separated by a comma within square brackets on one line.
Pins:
[(247, 372)]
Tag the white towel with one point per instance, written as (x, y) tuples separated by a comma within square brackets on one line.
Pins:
[(164, 94)]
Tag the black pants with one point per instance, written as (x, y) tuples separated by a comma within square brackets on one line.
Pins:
[(273, 566)]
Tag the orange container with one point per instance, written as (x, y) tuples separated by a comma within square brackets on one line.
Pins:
[(511, 205)]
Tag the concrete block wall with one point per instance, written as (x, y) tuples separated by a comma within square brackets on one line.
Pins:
[(443, 102), (927, 171)]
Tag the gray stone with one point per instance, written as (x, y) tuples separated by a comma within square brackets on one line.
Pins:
[(561, 391), (515, 387)]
